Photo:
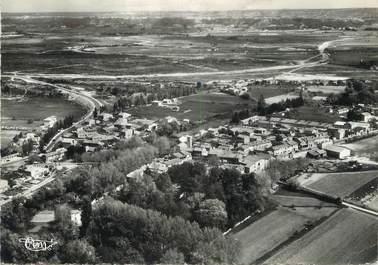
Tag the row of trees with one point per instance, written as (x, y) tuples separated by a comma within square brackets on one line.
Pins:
[(61, 124), (264, 109)]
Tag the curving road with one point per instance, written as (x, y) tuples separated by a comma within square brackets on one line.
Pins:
[(93, 103)]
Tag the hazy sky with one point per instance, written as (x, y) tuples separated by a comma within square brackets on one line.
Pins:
[(173, 5)]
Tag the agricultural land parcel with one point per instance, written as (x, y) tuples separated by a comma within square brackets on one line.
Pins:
[(346, 237), (269, 232), (337, 184)]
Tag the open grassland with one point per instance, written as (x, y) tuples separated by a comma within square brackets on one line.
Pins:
[(312, 113), (365, 147), (269, 232), (267, 91), (345, 238), (343, 71), (197, 108), (31, 112), (140, 54), (338, 184), (327, 89), (41, 108)]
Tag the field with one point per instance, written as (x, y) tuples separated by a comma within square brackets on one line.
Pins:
[(347, 237), (42, 108), (366, 147), (338, 184), (277, 99), (142, 54), (267, 91), (300, 201), (310, 113), (327, 89), (17, 114), (269, 232), (198, 108)]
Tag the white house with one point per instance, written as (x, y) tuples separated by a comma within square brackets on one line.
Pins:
[(57, 155), (76, 217), (366, 116), (36, 171), (49, 121), (253, 163)]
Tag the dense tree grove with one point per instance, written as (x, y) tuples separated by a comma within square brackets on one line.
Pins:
[(239, 193), (356, 92), (148, 234)]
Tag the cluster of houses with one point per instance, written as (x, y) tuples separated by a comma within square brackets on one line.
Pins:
[(250, 146), (172, 104), (240, 87)]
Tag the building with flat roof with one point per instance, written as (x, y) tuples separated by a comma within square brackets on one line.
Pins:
[(337, 151)]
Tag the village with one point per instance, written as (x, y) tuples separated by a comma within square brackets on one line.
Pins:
[(248, 146)]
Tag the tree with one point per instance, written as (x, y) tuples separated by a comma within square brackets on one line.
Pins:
[(27, 147), (162, 144), (235, 117), (354, 115), (78, 251), (212, 213), (172, 256), (95, 113), (261, 105)]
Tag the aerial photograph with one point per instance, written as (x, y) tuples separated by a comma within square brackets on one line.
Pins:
[(189, 132)]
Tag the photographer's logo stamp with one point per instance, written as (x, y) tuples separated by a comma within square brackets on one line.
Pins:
[(36, 244)]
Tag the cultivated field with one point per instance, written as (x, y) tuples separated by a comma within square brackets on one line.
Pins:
[(338, 184), (269, 232), (347, 237), (300, 201)]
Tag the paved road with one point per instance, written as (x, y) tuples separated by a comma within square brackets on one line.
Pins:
[(206, 73), (358, 208), (30, 191)]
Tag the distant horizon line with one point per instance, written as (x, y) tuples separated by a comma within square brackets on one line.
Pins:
[(176, 11)]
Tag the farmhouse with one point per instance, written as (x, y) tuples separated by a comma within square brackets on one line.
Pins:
[(253, 163), (36, 171), (3, 185)]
